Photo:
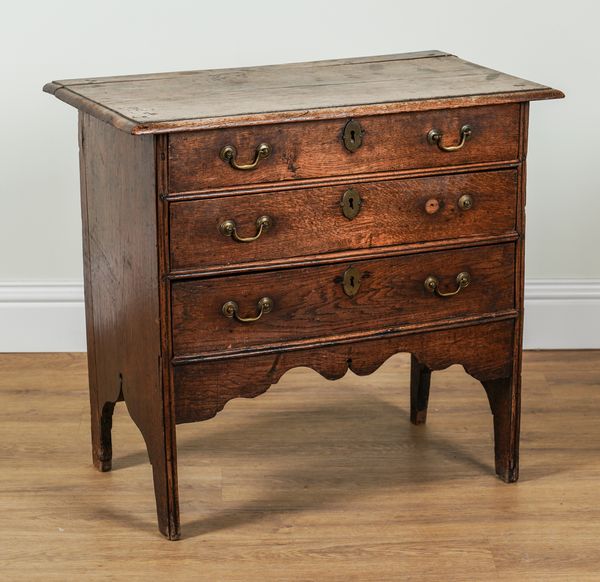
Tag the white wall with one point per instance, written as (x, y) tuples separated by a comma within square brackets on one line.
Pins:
[(555, 43)]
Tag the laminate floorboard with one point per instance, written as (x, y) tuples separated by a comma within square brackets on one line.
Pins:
[(315, 480)]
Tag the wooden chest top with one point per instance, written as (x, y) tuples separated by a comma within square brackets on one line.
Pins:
[(179, 101)]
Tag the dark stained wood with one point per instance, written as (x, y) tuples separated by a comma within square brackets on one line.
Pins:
[(314, 149), (157, 270), (391, 213), (121, 286), (100, 402), (299, 91), (504, 394), (311, 302), (202, 389), (288, 185), (504, 397), (342, 256), (420, 380)]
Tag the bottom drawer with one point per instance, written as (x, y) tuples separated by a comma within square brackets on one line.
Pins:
[(335, 300)]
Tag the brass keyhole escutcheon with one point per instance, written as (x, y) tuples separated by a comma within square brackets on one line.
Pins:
[(351, 281), (352, 135), (351, 203)]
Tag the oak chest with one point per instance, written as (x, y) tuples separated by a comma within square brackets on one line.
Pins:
[(238, 223)]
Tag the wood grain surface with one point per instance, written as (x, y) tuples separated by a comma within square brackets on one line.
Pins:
[(318, 480), (311, 302), (203, 389), (310, 221), (119, 199), (315, 149), (381, 84)]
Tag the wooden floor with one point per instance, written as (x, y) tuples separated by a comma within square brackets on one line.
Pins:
[(315, 480)]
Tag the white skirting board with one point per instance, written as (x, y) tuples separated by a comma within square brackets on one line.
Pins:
[(562, 314), (42, 317)]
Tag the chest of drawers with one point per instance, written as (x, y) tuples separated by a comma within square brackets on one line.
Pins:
[(238, 223)]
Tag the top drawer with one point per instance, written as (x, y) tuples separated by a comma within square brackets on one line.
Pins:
[(313, 149)]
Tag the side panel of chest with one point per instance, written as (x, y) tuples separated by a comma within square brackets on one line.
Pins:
[(121, 256)]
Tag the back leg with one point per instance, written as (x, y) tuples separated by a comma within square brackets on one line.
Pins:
[(101, 438), (420, 378)]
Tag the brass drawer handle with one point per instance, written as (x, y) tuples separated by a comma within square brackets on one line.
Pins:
[(432, 284), (229, 153), (434, 137), (230, 309), (229, 228)]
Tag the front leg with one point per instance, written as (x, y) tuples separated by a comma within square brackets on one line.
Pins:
[(505, 401), (147, 409), (496, 363)]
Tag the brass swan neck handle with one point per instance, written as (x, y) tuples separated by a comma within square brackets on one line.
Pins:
[(229, 228), (432, 284), (229, 154), (231, 309), (434, 137)]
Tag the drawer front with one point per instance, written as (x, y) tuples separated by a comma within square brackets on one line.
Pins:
[(332, 300), (336, 218), (316, 149)]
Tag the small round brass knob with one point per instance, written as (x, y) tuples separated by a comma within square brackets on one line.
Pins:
[(465, 202)]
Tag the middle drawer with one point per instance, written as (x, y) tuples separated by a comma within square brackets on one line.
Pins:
[(329, 301), (313, 221)]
